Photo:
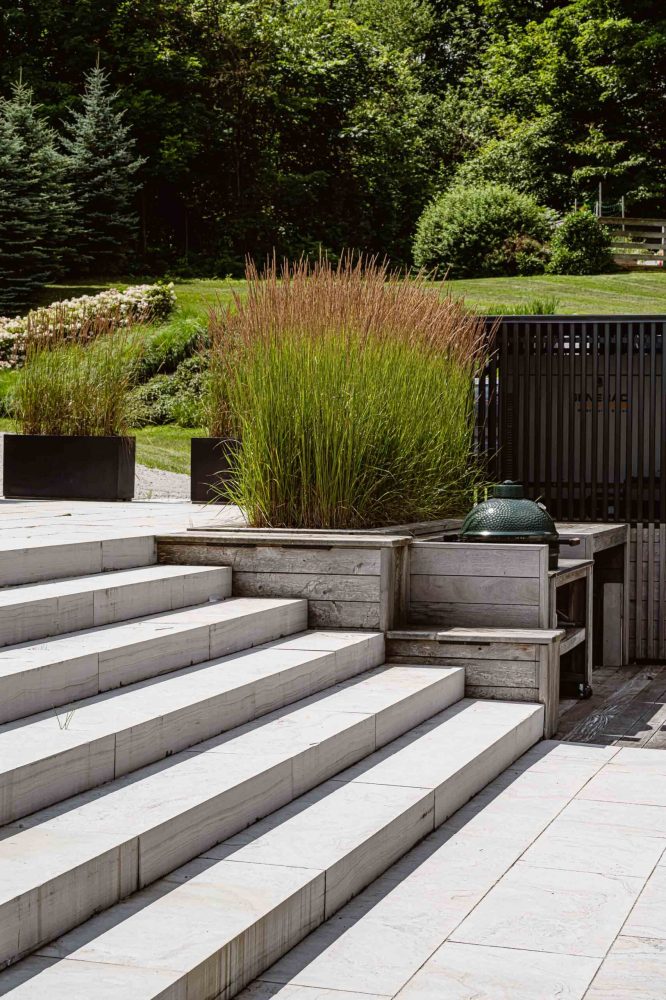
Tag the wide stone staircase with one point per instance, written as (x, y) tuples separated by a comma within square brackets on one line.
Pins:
[(191, 783)]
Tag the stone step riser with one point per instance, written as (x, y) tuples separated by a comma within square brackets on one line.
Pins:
[(211, 928), (70, 606), (103, 861), (38, 563), (55, 774), (62, 671)]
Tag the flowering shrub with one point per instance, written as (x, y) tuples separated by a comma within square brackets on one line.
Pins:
[(74, 318)]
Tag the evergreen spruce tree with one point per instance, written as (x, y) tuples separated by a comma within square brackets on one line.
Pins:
[(102, 164), (35, 206)]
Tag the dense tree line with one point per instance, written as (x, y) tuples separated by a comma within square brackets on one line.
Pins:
[(299, 124)]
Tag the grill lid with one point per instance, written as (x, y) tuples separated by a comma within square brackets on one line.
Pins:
[(509, 514)]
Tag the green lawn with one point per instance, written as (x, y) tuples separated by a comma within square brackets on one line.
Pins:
[(166, 447), (626, 292)]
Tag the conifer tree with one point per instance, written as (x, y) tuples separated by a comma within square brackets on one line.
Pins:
[(102, 167), (35, 206)]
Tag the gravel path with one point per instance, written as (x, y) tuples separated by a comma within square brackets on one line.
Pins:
[(156, 484)]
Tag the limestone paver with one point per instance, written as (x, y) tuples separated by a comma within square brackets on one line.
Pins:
[(635, 969), (602, 848), (625, 817), (271, 991), (634, 786), (546, 909), (469, 972), (648, 917)]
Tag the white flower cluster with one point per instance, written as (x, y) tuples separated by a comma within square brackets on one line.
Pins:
[(136, 304)]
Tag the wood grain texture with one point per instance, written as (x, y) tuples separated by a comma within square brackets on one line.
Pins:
[(344, 614), (475, 589), (312, 586), (277, 558), (475, 559), (461, 650), (503, 693), (485, 615)]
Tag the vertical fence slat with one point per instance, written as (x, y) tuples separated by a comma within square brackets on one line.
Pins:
[(617, 424), (639, 591), (641, 428), (661, 607), (605, 423), (583, 498), (595, 423), (652, 419)]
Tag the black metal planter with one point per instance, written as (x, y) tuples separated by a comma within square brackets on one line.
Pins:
[(212, 468), (46, 467)]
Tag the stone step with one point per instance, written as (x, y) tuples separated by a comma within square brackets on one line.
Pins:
[(208, 929), (26, 560), (40, 676), (395, 938), (63, 864), (36, 610), (52, 756)]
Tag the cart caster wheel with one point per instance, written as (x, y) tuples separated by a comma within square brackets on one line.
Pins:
[(584, 691)]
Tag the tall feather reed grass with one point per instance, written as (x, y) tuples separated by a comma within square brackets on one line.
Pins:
[(77, 386), (352, 392)]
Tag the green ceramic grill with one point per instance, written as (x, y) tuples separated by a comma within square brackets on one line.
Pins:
[(508, 516)]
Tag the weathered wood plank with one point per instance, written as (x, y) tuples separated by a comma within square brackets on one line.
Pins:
[(462, 651), (474, 559), (313, 586), (485, 615), (277, 558), (501, 673), (301, 538), (502, 693), (343, 614), (474, 589)]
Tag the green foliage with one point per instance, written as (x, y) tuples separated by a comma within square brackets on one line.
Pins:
[(101, 163), (76, 389), (352, 393), (172, 399), (35, 205), (581, 245), (482, 232), (302, 124), (169, 345), (350, 433)]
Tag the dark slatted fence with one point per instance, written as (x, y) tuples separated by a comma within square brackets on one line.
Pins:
[(574, 407)]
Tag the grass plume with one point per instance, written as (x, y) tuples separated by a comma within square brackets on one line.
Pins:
[(352, 392)]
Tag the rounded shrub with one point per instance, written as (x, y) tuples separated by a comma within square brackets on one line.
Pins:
[(482, 231), (580, 245)]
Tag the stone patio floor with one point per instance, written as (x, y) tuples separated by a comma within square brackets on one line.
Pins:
[(549, 885), (34, 522)]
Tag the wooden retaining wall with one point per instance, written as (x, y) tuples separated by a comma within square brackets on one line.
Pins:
[(350, 581), (468, 585)]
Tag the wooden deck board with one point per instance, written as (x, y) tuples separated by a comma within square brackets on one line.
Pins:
[(628, 708)]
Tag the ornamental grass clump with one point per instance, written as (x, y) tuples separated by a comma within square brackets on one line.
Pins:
[(352, 393), (77, 388)]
